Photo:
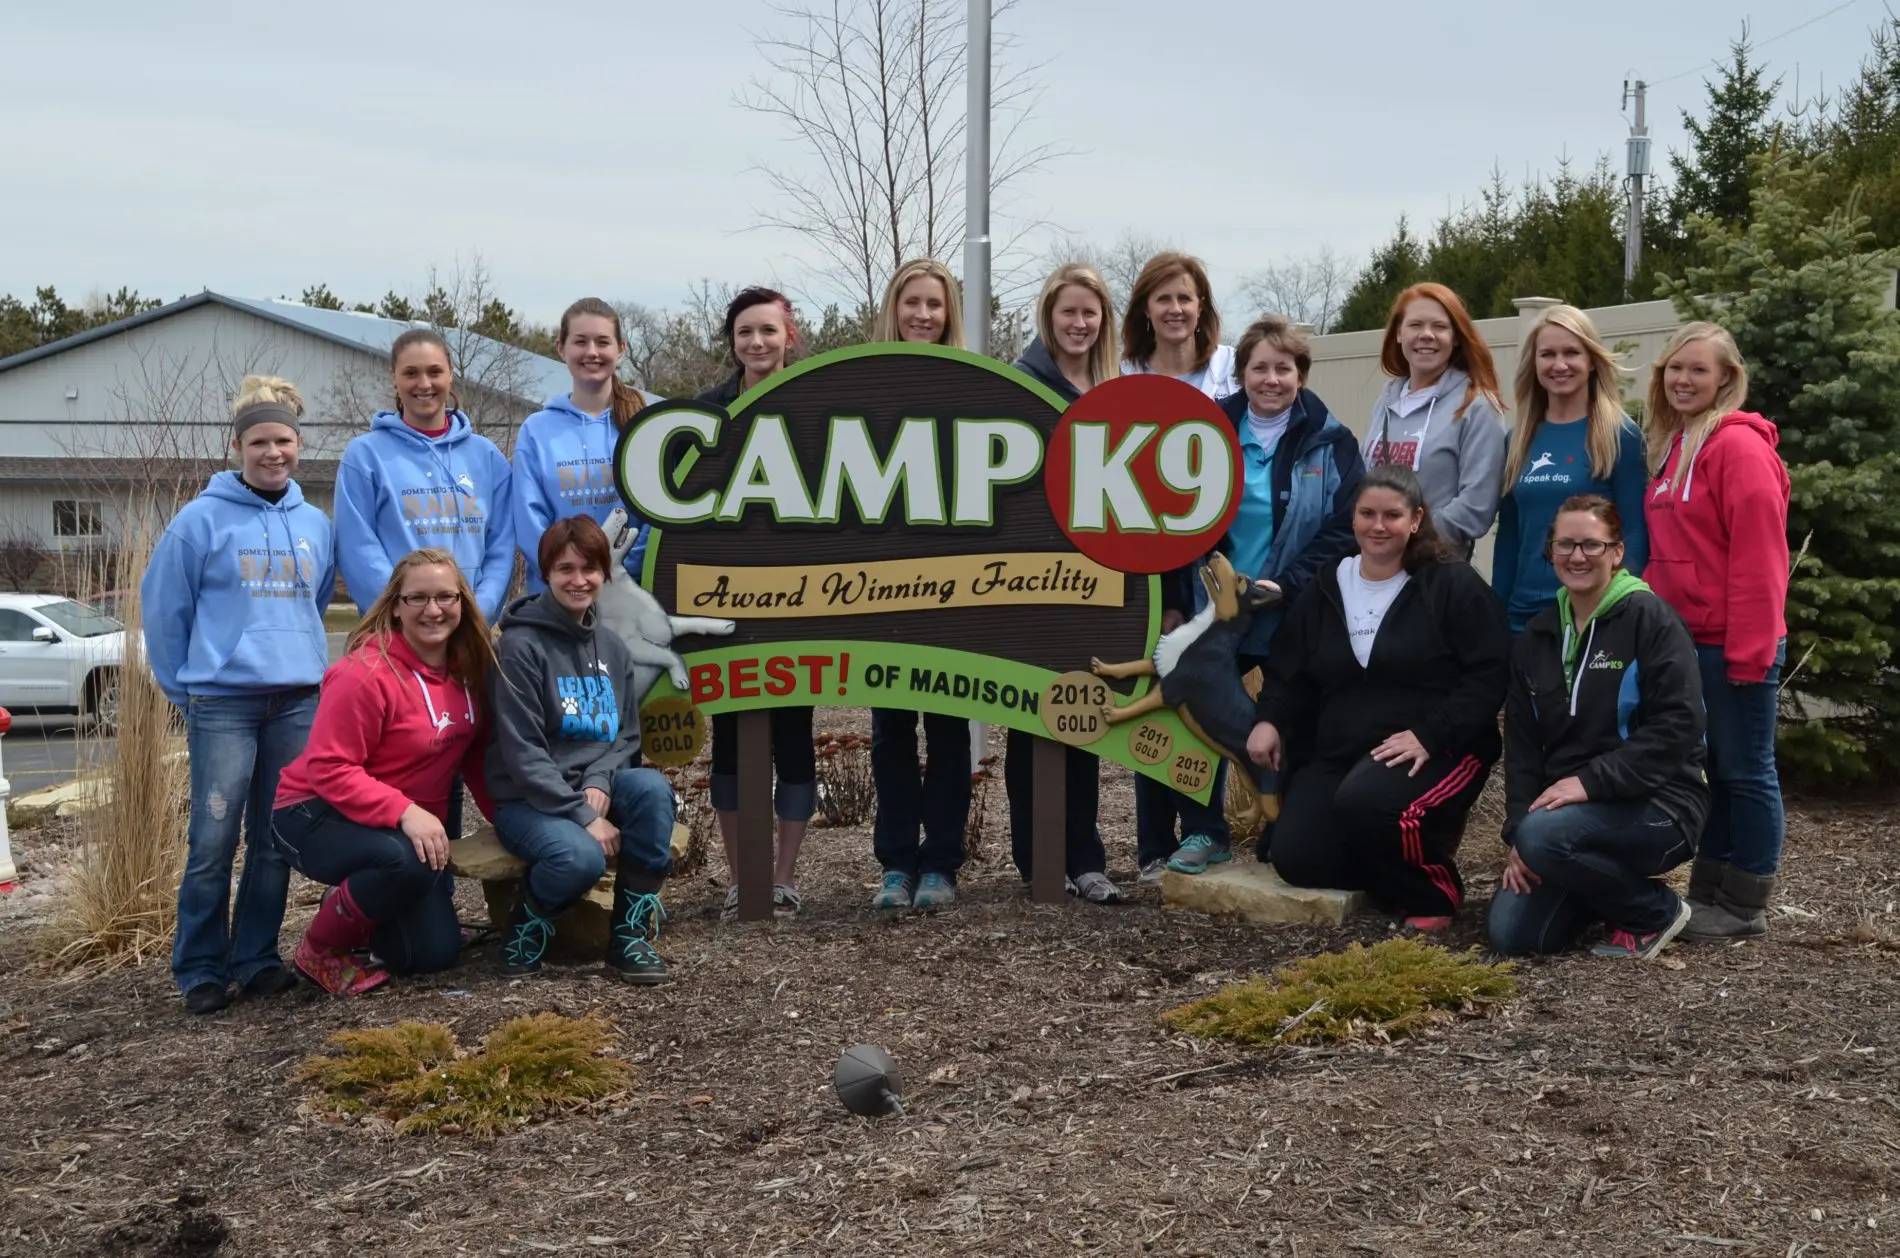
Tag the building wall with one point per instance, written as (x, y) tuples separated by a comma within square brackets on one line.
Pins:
[(31, 510), (163, 390)]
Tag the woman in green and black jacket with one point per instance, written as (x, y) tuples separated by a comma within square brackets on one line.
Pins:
[(1603, 727)]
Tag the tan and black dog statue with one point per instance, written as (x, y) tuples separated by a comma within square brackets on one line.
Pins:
[(1199, 679)]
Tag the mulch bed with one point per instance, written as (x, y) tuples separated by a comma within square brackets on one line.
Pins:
[(1734, 1101)]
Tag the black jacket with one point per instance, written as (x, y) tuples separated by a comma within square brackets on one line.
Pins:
[(723, 394), (1438, 667), (1630, 728), (1040, 365)]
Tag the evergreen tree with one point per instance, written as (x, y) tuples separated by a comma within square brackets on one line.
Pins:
[(1804, 295), (1711, 179), (320, 296), (1394, 267)]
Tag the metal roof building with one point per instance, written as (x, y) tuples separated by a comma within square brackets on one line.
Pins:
[(141, 406)]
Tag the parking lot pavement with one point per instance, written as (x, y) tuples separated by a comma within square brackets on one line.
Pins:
[(43, 751)]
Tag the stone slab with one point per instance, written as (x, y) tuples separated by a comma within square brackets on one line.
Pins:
[(65, 800), (1246, 890)]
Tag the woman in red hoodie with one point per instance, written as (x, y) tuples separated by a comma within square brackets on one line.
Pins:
[(1717, 512), (400, 716)]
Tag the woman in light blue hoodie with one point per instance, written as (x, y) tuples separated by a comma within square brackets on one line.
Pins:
[(564, 453), (232, 602), (422, 476)]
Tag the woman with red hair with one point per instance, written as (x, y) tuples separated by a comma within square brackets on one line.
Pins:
[(1439, 413), (762, 335)]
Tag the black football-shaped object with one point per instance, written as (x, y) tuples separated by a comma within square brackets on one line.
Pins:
[(867, 1081)]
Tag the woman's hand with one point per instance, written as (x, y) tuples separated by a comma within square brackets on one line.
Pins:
[(607, 834), (1263, 746), (1563, 791), (1401, 749), (597, 800), (424, 830), (1517, 875)]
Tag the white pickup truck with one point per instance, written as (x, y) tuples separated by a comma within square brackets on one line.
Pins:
[(57, 655)]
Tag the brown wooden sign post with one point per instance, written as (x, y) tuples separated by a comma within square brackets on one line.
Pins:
[(919, 528)]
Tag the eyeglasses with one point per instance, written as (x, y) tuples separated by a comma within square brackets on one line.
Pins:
[(423, 600), (1591, 547)]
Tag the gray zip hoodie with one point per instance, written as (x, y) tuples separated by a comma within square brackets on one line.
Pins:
[(1459, 459), (564, 705)]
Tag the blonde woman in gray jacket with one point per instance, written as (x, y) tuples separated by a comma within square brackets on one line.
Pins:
[(1440, 413)]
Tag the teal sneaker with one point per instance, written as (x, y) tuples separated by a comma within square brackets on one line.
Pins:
[(1196, 853), (935, 892), (896, 891), (631, 955), (525, 939)]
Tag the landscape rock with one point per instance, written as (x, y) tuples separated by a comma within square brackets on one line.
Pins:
[(1248, 891), (39, 807)]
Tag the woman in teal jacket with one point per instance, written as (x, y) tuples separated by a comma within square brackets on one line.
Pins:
[(1302, 468)]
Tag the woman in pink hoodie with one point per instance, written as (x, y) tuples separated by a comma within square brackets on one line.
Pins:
[(1717, 512), (401, 714)]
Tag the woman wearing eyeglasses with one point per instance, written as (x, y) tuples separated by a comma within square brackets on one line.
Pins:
[(1603, 725), (363, 808)]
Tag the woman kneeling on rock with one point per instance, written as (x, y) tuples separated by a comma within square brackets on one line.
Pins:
[(569, 795), (361, 809), (1604, 785), (1382, 692)]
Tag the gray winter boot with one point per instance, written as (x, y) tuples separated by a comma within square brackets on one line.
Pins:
[(1740, 910), (1705, 881)]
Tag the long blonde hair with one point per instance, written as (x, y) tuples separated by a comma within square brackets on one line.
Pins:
[(1603, 421), (1105, 359), (1663, 421), (471, 652), (885, 327)]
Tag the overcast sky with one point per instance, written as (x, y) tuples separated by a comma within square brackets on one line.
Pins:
[(596, 148)]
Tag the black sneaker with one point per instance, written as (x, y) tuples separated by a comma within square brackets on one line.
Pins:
[(272, 980), (525, 940), (631, 957), (207, 998)]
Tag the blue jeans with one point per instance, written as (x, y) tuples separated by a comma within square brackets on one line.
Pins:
[(412, 905), (1746, 821), (1599, 862), (937, 800), (563, 859), (238, 745)]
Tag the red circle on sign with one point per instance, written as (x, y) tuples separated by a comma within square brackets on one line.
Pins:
[(1163, 503)]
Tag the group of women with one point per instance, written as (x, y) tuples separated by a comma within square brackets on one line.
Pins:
[(1385, 665)]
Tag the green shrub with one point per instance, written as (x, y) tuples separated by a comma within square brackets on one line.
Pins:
[(1388, 990), (413, 1075)]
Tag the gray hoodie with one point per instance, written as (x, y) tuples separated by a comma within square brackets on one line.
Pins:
[(1459, 459), (564, 709)]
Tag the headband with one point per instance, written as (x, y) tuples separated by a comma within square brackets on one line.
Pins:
[(264, 413)]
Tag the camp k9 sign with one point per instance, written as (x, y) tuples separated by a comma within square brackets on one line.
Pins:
[(914, 527)]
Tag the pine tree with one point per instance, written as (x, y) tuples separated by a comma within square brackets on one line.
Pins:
[(1394, 267), (1805, 296), (1711, 179)]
